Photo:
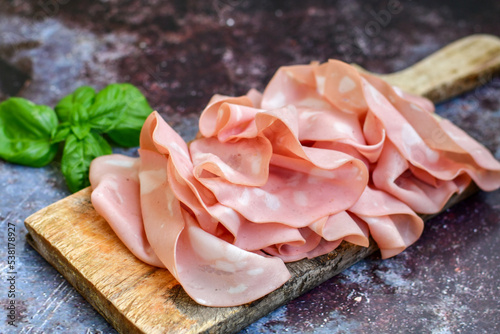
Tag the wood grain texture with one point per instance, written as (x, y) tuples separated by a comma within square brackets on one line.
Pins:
[(137, 298)]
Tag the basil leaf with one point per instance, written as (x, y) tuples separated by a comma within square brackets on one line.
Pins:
[(120, 111), (26, 130), (77, 156), (105, 115), (73, 109), (83, 96), (79, 119), (62, 132)]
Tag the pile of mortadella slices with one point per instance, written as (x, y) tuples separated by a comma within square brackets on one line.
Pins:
[(325, 154)]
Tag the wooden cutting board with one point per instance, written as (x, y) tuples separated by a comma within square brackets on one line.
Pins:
[(137, 298)]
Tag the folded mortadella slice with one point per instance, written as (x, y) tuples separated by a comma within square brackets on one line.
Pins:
[(332, 85), (244, 162), (426, 142), (393, 225), (297, 192), (486, 169), (212, 271), (422, 192), (214, 217), (115, 196), (294, 85), (226, 116), (342, 226), (216, 273), (313, 245), (327, 181)]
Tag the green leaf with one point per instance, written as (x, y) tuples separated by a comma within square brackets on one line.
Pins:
[(79, 120), (77, 156), (120, 111), (105, 115), (79, 115), (26, 130), (74, 109), (83, 96), (62, 132), (81, 131)]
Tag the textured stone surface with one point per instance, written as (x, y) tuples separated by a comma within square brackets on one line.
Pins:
[(180, 53)]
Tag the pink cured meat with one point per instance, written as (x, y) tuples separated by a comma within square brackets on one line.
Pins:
[(117, 200), (326, 154)]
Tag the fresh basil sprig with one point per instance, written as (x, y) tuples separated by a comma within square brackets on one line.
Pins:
[(30, 134), (77, 155), (26, 132)]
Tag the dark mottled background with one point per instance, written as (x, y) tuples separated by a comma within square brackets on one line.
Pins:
[(180, 53)]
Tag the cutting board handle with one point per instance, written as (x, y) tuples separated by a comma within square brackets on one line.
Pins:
[(458, 67)]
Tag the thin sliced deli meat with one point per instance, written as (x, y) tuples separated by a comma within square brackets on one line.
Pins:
[(325, 154), (196, 258), (115, 196), (392, 224)]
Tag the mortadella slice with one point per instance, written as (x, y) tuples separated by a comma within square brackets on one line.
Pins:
[(115, 196), (212, 271)]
